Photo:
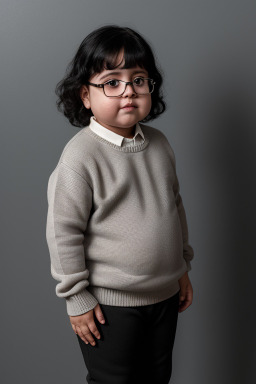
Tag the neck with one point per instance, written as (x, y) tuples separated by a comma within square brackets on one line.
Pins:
[(125, 132)]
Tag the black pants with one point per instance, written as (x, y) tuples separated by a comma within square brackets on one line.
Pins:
[(135, 346)]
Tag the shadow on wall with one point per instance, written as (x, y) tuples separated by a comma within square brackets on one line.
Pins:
[(228, 150)]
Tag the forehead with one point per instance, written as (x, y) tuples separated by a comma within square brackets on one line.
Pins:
[(122, 71)]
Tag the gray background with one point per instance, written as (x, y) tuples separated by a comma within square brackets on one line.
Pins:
[(206, 50)]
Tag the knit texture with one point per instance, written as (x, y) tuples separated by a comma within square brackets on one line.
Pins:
[(116, 225)]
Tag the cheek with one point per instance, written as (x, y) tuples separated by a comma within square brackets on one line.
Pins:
[(109, 107), (100, 103), (104, 107), (149, 104)]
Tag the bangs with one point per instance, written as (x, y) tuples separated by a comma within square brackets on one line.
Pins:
[(106, 56)]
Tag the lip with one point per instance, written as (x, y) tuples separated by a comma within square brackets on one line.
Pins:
[(128, 106)]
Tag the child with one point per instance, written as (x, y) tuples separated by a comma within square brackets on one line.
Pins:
[(116, 225)]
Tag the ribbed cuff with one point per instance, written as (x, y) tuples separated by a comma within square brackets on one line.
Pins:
[(80, 303)]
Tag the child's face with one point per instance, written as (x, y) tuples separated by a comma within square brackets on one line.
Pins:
[(109, 111)]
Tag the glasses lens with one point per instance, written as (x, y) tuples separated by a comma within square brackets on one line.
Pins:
[(116, 88), (142, 86)]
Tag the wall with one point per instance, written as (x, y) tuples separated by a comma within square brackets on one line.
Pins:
[(206, 50)]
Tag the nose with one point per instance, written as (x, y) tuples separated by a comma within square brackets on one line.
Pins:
[(129, 91)]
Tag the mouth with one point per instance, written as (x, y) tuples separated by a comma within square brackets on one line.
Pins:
[(129, 107)]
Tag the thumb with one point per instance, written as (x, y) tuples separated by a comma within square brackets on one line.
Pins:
[(182, 295), (99, 314)]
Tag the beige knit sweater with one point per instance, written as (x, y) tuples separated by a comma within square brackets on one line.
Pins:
[(116, 225)]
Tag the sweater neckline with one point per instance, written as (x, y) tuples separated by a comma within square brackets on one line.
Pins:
[(135, 148)]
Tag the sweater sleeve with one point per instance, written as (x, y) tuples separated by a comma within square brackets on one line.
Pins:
[(69, 199), (188, 252)]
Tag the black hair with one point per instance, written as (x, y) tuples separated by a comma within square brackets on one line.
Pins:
[(98, 51)]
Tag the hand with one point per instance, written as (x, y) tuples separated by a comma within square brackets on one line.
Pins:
[(186, 292), (84, 324)]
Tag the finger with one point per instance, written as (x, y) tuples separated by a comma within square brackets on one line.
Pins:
[(94, 330), (81, 335), (99, 314), (87, 334), (190, 295), (182, 295), (181, 305), (184, 305), (74, 328), (188, 298)]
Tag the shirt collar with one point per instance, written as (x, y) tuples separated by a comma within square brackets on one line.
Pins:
[(112, 136)]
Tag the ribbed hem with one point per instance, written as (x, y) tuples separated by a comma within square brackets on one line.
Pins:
[(130, 299), (80, 303)]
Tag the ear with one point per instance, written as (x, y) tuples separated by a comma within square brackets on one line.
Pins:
[(85, 97)]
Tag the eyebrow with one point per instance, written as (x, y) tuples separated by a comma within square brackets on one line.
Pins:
[(119, 72)]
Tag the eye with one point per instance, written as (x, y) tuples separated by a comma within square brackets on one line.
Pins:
[(112, 83), (139, 81)]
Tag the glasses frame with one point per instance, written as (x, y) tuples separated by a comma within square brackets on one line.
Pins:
[(126, 83)]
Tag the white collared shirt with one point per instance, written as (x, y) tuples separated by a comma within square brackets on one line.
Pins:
[(115, 138)]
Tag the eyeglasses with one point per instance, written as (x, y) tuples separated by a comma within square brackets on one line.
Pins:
[(115, 88)]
